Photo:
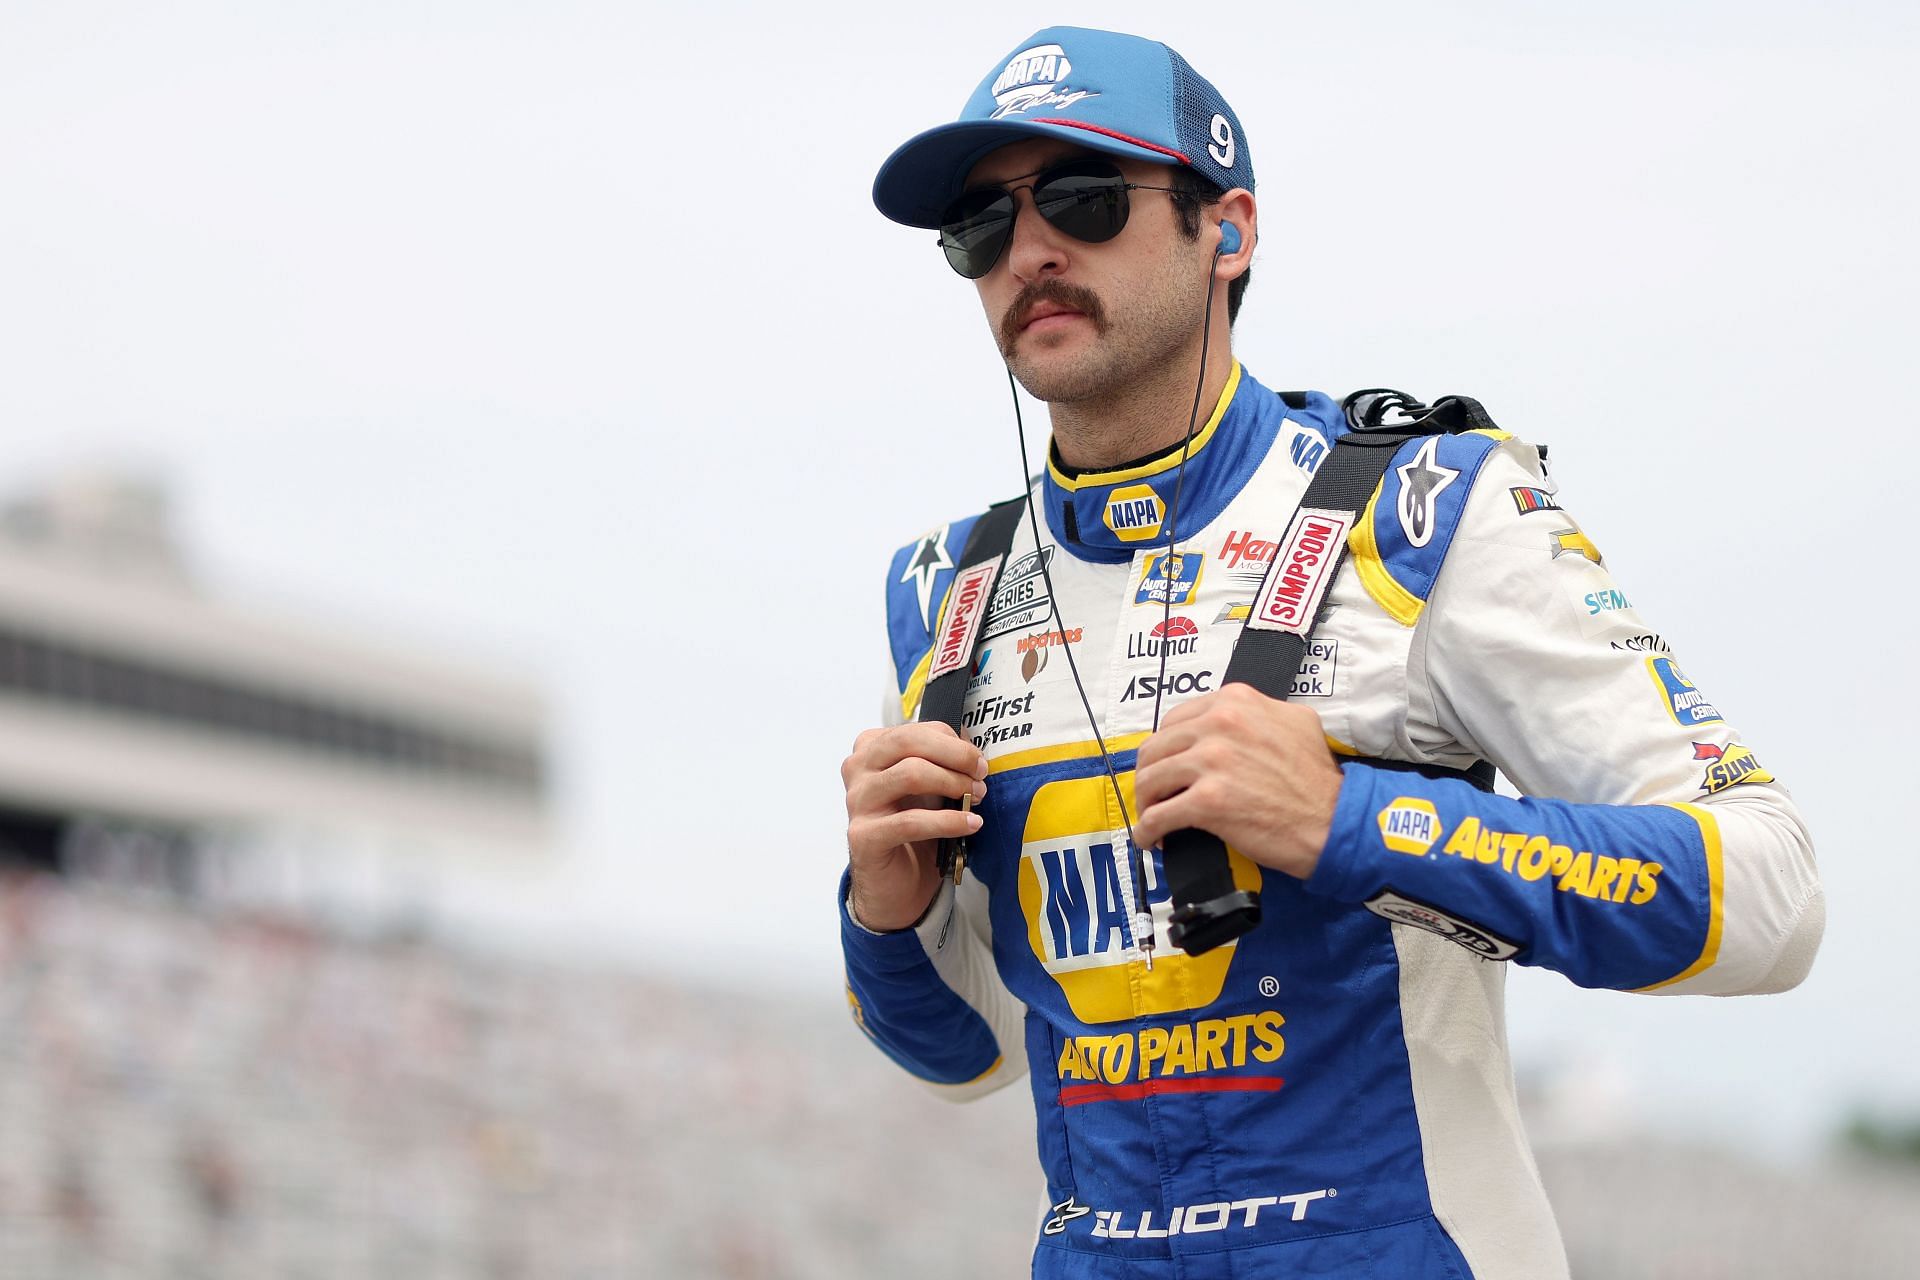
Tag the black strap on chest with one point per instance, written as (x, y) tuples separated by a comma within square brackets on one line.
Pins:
[(1208, 909)]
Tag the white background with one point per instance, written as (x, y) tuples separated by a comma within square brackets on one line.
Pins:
[(567, 334)]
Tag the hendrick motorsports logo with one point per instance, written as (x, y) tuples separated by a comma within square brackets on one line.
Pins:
[(1033, 79)]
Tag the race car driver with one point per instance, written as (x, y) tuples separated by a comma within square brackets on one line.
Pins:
[(1330, 1094)]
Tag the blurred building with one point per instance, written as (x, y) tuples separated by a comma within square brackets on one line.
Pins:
[(150, 731)]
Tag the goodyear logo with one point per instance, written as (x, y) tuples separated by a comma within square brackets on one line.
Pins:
[(1410, 825), (1687, 705), (1731, 766), (1157, 584), (1076, 892), (1534, 857), (1134, 513)]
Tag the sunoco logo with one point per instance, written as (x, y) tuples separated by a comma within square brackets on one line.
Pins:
[(1033, 79)]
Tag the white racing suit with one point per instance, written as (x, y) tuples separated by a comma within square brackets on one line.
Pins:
[(1330, 1095)]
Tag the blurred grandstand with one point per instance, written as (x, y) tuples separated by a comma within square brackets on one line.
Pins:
[(223, 1054)]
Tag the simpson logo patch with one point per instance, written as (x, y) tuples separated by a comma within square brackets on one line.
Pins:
[(1134, 513), (1389, 905), (1410, 825), (1302, 571), (1730, 766), (953, 648), (1687, 705)]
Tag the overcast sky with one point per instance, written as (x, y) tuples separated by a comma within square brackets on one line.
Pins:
[(567, 334)]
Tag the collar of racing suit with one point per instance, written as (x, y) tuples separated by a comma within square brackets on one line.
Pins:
[(1107, 516)]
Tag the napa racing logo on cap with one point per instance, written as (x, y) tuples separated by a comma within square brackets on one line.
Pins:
[(1077, 892), (1157, 586), (1687, 705), (1731, 766), (1134, 513), (1035, 77), (1410, 825)]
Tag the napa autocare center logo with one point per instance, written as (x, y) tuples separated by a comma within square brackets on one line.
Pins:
[(1036, 78)]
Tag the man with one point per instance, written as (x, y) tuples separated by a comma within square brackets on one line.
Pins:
[(1329, 1095)]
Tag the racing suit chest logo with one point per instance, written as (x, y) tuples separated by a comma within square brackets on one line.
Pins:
[(1076, 893)]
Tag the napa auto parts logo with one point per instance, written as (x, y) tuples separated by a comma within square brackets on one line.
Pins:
[(1080, 902), (1033, 79)]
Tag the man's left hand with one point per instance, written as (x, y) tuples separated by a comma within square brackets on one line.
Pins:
[(1255, 772)]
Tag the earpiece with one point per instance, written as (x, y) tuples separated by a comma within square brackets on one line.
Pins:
[(1229, 238)]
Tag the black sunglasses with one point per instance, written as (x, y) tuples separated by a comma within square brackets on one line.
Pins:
[(1086, 199)]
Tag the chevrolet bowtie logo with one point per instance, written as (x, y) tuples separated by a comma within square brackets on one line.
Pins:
[(1572, 542)]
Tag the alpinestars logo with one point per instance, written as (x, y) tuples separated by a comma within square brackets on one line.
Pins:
[(1061, 1214), (1422, 481), (926, 562), (1033, 79)]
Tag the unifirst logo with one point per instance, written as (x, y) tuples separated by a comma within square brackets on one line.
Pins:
[(1134, 513), (1077, 893), (1032, 79)]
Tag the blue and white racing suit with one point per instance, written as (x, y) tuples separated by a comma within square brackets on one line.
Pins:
[(1331, 1095)]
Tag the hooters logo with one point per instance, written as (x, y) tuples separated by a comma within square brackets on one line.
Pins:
[(965, 607), (1301, 572), (1078, 897)]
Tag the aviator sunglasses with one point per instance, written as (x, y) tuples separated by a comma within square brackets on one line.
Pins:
[(1086, 199)]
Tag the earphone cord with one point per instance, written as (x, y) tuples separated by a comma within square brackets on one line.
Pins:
[(1136, 857)]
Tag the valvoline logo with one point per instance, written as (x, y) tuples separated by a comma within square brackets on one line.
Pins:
[(1076, 892)]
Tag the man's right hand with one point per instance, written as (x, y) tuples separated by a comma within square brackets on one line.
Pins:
[(897, 780)]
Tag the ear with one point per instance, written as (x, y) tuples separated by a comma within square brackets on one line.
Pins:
[(1238, 208)]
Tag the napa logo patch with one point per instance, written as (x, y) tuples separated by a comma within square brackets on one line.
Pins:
[(1730, 766), (1034, 77), (1410, 825), (1134, 513), (1077, 894), (1687, 705), (1180, 586)]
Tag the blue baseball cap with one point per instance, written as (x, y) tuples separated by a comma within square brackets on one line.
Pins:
[(1107, 91)]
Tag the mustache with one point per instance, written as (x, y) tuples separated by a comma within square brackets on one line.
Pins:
[(1048, 289)]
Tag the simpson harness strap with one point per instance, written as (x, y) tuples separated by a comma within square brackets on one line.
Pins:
[(1208, 909)]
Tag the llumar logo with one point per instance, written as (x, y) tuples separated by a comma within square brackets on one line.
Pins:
[(1134, 513), (1032, 79), (962, 621), (1302, 571), (1079, 898)]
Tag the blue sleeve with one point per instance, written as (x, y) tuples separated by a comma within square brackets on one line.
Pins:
[(1619, 896), (903, 1005)]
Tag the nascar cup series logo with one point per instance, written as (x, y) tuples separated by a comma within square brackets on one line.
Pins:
[(1077, 894), (1134, 513), (1033, 78)]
